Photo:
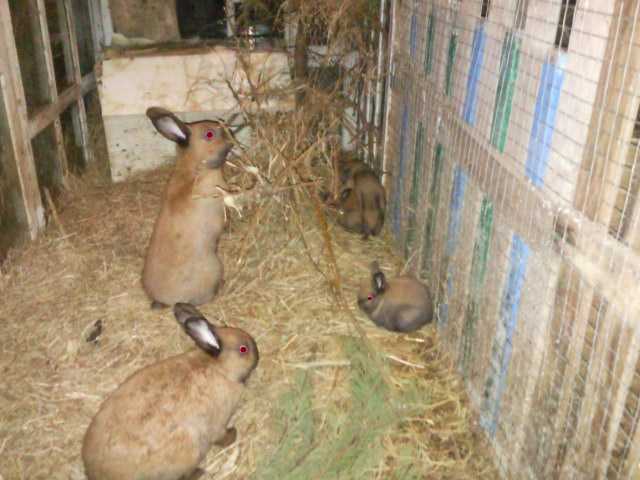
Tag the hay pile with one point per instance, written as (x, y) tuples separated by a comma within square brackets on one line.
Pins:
[(333, 396)]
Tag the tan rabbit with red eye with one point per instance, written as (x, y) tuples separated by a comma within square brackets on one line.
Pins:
[(182, 263), (401, 304), (161, 422)]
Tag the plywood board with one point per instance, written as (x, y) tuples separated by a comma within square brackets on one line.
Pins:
[(194, 81)]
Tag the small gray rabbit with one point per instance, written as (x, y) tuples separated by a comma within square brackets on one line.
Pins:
[(401, 304), (161, 422)]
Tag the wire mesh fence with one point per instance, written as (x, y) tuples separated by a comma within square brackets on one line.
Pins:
[(512, 145)]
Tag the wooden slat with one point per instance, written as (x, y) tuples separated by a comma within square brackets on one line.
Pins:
[(43, 117), (632, 467), (554, 378), (632, 233), (47, 80), (22, 172), (627, 414), (390, 96), (107, 24), (97, 27), (74, 76), (585, 453), (625, 376)]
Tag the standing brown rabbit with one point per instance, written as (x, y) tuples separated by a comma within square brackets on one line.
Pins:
[(362, 201), (182, 264), (401, 304), (161, 422)]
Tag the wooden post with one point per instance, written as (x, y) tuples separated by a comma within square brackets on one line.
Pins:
[(47, 80), (107, 24), (231, 19), (74, 76), (386, 153), (22, 171), (97, 27), (632, 233)]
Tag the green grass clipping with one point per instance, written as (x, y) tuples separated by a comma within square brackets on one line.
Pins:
[(350, 443)]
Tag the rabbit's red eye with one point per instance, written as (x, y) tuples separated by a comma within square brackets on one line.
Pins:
[(210, 135), (369, 297), (244, 349)]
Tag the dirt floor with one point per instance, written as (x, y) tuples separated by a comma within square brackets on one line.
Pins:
[(86, 268)]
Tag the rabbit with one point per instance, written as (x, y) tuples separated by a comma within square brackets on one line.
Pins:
[(402, 304), (361, 209), (161, 422), (362, 201), (182, 264)]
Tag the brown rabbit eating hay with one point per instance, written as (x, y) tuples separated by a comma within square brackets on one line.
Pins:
[(182, 263)]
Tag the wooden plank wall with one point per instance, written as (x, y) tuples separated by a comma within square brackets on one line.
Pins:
[(21, 127), (536, 293)]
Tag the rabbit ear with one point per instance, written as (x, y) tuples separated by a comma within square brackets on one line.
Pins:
[(379, 282), (203, 333), (345, 172), (197, 327), (345, 194), (168, 125), (184, 311)]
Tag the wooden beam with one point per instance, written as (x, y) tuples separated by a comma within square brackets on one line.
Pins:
[(43, 116), (74, 76), (47, 81), (22, 171), (603, 262)]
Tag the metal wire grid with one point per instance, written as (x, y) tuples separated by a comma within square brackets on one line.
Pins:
[(576, 345)]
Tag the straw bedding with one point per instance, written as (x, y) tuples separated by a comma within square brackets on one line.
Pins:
[(333, 396)]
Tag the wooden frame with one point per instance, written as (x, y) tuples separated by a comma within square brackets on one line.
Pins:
[(21, 171), (47, 79)]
